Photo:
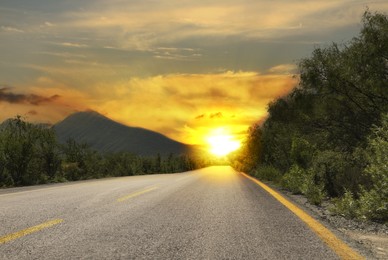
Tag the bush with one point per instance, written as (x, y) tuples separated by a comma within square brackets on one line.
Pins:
[(346, 206), (373, 205), (374, 202), (72, 172), (267, 173), (314, 192), (338, 171), (295, 180)]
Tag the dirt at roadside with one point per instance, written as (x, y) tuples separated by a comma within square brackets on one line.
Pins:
[(376, 243), (369, 238)]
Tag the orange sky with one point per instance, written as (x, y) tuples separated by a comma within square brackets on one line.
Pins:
[(185, 107), (182, 68)]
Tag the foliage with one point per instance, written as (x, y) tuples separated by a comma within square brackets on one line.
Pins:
[(374, 201), (247, 158), (295, 179), (346, 206), (30, 154), (268, 173), (327, 138), (314, 192)]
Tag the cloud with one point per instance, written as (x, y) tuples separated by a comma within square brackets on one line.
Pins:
[(200, 116), (174, 53), (33, 99), (138, 25), (75, 45), (234, 99), (211, 116), (49, 24), (283, 69), (44, 100), (11, 29), (216, 115)]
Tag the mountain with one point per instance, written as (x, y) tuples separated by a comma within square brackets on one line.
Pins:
[(106, 135)]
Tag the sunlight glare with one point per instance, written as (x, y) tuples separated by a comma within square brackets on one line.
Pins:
[(221, 142)]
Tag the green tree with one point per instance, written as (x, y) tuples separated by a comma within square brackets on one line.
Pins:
[(19, 138), (315, 137), (48, 152)]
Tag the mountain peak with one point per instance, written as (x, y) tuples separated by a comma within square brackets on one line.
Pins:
[(106, 135), (87, 113)]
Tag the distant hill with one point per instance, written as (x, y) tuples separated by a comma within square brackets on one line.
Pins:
[(106, 135)]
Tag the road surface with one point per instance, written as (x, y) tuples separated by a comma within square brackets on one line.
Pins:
[(212, 213)]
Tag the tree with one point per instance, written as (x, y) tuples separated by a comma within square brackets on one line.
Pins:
[(319, 134), (48, 152), (350, 82)]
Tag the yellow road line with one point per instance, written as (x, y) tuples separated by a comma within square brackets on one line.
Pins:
[(27, 231), (135, 194), (339, 247)]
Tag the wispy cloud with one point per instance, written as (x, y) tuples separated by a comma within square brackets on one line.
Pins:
[(11, 29), (283, 69), (49, 24), (174, 53), (140, 26), (73, 44), (14, 98), (63, 54)]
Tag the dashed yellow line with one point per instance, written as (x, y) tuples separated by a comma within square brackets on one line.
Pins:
[(27, 231), (132, 195), (339, 247)]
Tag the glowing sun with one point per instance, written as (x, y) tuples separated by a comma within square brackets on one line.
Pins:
[(221, 142)]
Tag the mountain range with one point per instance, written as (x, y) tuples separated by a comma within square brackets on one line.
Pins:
[(106, 135)]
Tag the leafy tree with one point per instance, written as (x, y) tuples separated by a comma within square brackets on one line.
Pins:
[(48, 152), (75, 166), (317, 138), (249, 155), (18, 151)]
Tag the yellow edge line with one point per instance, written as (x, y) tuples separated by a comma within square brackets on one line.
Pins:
[(27, 231), (339, 247), (135, 194)]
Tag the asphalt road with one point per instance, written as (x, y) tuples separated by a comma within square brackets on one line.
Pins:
[(213, 213)]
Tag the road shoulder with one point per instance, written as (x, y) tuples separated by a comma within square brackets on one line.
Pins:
[(371, 239)]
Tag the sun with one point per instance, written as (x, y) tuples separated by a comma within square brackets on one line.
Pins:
[(221, 142)]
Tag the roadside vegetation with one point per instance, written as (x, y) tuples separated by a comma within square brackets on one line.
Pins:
[(30, 154), (328, 138)]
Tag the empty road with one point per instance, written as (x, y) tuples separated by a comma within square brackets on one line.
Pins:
[(212, 213)]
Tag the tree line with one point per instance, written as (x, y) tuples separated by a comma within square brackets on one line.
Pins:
[(30, 154), (328, 138)]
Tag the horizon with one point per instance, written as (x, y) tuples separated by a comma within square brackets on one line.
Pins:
[(185, 70)]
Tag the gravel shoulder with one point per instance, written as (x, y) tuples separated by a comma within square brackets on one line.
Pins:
[(369, 238)]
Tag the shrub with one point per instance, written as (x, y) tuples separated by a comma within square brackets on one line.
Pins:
[(71, 171), (267, 173), (295, 180), (337, 171), (346, 206), (314, 192), (373, 205), (374, 202)]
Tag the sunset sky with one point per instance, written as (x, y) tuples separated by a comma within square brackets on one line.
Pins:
[(182, 68)]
